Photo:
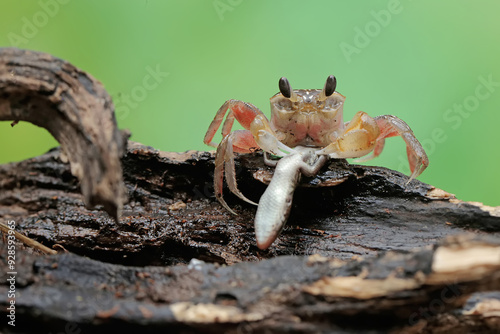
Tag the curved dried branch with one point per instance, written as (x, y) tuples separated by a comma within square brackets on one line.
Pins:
[(74, 107)]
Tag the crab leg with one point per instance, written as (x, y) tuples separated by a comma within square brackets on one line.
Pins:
[(276, 202), (391, 126), (258, 134), (251, 118), (365, 134), (224, 158)]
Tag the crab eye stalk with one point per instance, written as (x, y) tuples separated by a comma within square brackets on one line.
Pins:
[(330, 85), (329, 88), (286, 90)]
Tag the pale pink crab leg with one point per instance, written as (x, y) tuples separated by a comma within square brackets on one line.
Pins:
[(391, 126), (224, 158), (244, 113)]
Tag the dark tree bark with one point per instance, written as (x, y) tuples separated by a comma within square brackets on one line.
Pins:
[(370, 251)]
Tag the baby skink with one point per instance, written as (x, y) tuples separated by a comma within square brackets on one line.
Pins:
[(276, 202)]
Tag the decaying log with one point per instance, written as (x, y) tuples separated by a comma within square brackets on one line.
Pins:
[(362, 250), (76, 109), (173, 216), (401, 293)]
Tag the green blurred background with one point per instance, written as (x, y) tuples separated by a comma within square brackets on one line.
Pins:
[(432, 63)]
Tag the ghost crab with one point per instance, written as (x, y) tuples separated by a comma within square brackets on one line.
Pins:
[(306, 128)]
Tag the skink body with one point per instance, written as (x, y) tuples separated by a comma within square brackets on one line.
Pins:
[(276, 202)]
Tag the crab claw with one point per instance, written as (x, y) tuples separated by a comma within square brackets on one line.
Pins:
[(266, 138)]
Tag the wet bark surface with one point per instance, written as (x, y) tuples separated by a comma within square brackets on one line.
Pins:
[(363, 249), (172, 215)]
